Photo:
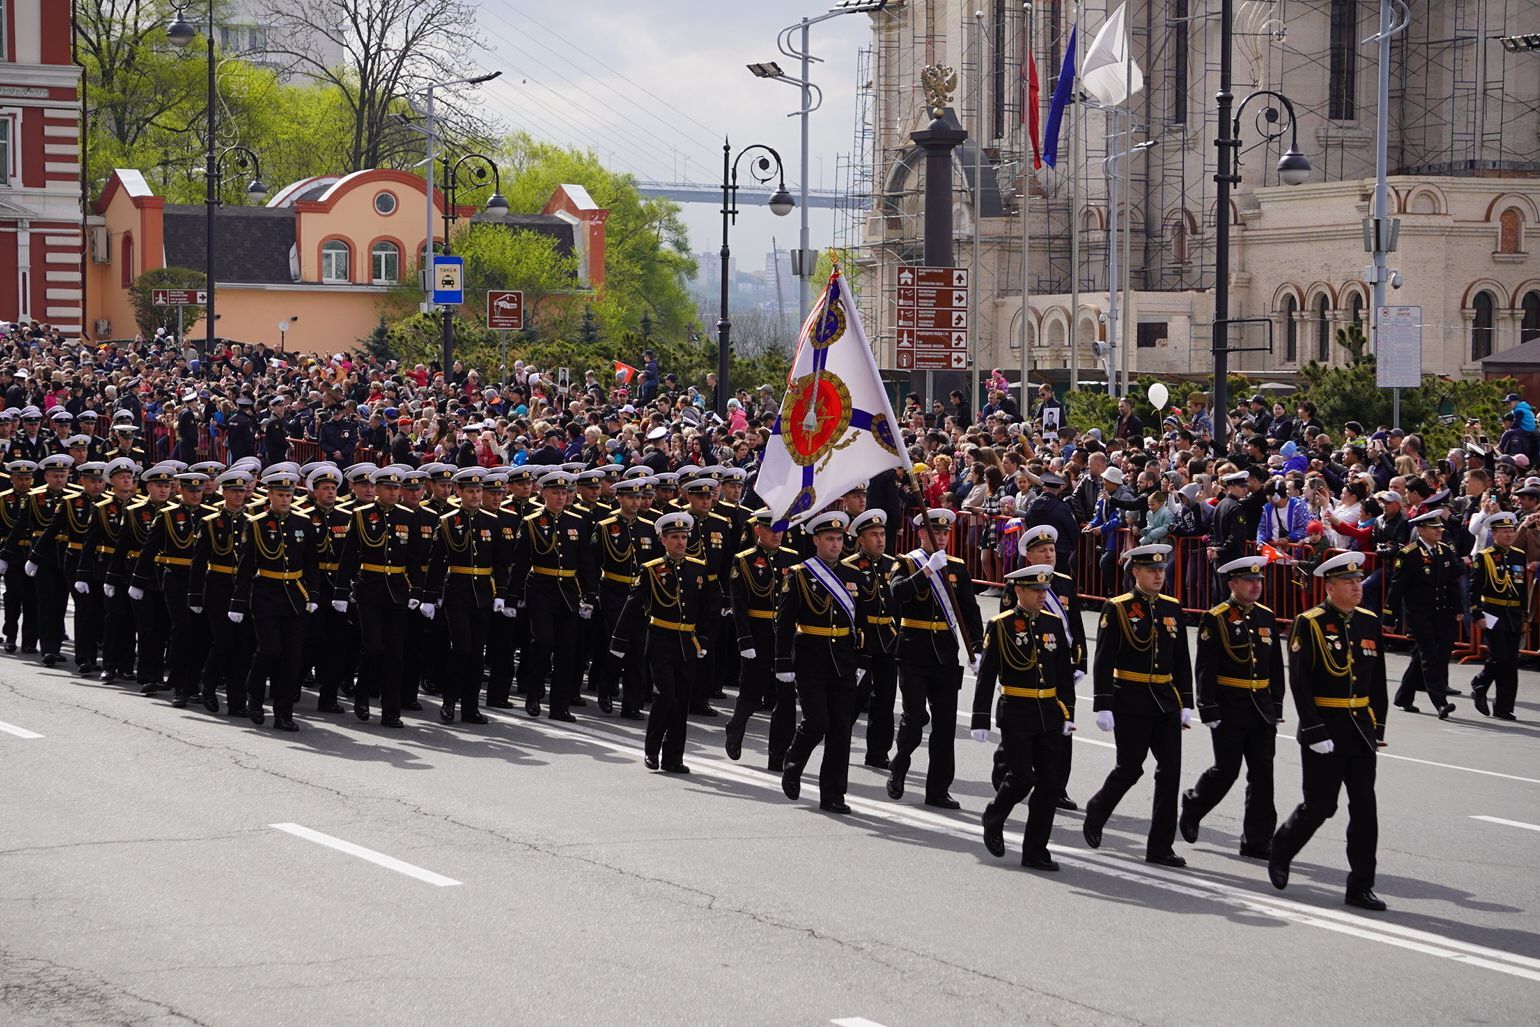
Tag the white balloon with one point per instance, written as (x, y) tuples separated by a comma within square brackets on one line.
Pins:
[(1158, 396)]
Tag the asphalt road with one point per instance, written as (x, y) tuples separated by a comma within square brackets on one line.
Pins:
[(169, 866)]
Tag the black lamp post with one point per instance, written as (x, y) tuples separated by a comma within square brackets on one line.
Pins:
[(1293, 169), (497, 206), (181, 33), (762, 169)]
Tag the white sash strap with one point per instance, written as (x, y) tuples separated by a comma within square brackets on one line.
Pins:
[(943, 597), (1057, 607), (832, 584)]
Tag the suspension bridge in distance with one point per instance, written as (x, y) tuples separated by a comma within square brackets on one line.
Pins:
[(698, 192)]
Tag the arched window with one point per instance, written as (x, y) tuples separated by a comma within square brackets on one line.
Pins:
[(1530, 327), (1357, 307), (127, 271), (1290, 330), (335, 256), (1481, 329), (1510, 231), (1323, 329), (385, 263)]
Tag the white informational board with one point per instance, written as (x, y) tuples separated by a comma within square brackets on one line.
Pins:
[(1398, 350)]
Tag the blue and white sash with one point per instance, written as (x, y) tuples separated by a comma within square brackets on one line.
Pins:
[(832, 584), (1058, 607), (943, 597)]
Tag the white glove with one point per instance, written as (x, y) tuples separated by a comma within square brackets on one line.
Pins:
[(700, 654), (860, 676), (107, 590), (83, 587), (497, 605), (412, 604), (973, 664), (235, 618), (618, 656), (1325, 748), (1186, 716), (311, 607), (1211, 724), (980, 734), (1490, 620), (1079, 675), (340, 605), (1104, 720), (1069, 728), (510, 611), (30, 567), (749, 654), (427, 610), (5, 565), (786, 678), (585, 611), (937, 560), (194, 609), (135, 592)]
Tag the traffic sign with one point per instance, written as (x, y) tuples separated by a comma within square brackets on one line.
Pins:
[(449, 280), (932, 318), (179, 297), (1398, 350), (505, 309)]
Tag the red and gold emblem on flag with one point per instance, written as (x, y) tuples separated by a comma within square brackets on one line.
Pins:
[(814, 416)]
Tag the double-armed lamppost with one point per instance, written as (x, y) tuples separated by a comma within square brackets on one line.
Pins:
[(480, 169), (764, 167), (1293, 169), (181, 33)]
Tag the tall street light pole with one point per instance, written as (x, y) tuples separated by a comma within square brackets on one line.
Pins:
[(764, 167), (1384, 230), (1293, 169), (181, 33), (497, 206)]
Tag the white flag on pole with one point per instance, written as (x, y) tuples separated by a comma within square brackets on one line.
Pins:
[(1110, 72), (836, 427)]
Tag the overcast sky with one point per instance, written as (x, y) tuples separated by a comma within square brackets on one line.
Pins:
[(565, 78)]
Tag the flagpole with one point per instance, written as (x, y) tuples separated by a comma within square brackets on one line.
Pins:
[(1075, 156), (1130, 339), (1026, 226)]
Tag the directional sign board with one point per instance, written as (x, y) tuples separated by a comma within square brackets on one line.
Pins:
[(1398, 350), (448, 280), (505, 309), (179, 297), (932, 319)]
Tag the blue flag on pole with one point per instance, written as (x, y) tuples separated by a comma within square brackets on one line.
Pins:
[(1061, 98)]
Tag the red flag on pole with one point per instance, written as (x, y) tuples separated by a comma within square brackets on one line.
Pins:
[(624, 372), (1030, 109)]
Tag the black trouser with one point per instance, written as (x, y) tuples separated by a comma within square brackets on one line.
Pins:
[(383, 628), (20, 602), (935, 688), (828, 711), (1323, 777), (1136, 738), (1429, 669), (468, 628), (153, 626), (757, 683), (118, 641), (879, 690), (605, 670), (280, 658), (434, 674), (553, 641), (229, 655), (1066, 761), (1241, 735), (587, 647), (727, 661), (673, 681), (52, 604), (88, 624), (331, 638), (1032, 761), (187, 640), (1502, 669), (500, 660), (635, 682), (417, 656)]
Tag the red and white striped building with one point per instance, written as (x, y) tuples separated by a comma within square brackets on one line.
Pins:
[(42, 252)]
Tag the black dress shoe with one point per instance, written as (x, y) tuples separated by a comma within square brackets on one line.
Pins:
[(532, 707), (650, 762), (431, 689), (1169, 859), (108, 677), (1505, 716), (29, 649), (446, 713), (284, 724), (1092, 830), (791, 780), (1478, 698), (994, 840), (415, 707), (1278, 872), (179, 702), (500, 705), (734, 747), (1256, 851), (1040, 863), (10, 646), (85, 670), (835, 807), (211, 702), (330, 707), (944, 802), (49, 659), (630, 714), (1186, 824), (361, 711), (1065, 802), (1366, 899), (1409, 708), (775, 766), (564, 717), (256, 715), (473, 718), (704, 709), (1453, 691), (1445, 710), (606, 707), (675, 768), (880, 762), (151, 688), (577, 701), (391, 722), (234, 711), (895, 784)]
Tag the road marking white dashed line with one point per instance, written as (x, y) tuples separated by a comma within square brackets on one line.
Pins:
[(855, 1021), (19, 732), (1509, 823), (377, 858)]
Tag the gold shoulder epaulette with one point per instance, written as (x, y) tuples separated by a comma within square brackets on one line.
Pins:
[(608, 521), (695, 560), (653, 563), (745, 554), (1261, 606), (1216, 611), (1313, 613), (1173, 599)]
